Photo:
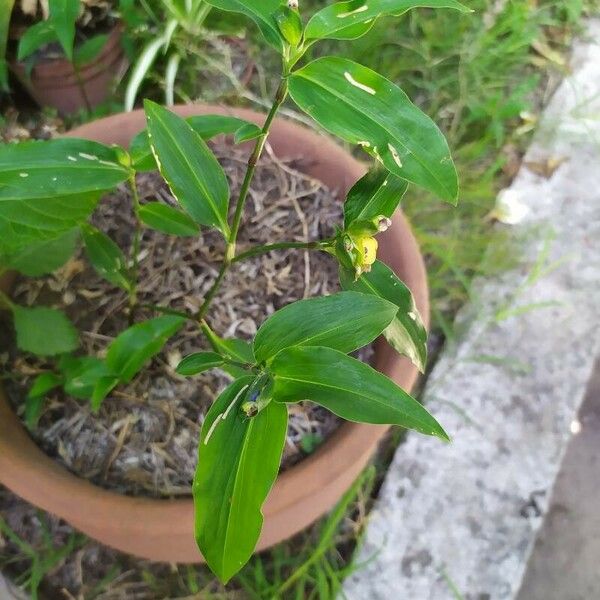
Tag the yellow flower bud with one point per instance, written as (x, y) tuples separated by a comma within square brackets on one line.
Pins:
[(367, 247)]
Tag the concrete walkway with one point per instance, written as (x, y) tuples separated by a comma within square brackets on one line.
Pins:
[(460, 520)]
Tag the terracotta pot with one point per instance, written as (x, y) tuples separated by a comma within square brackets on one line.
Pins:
[(162, 530), (54, 82)]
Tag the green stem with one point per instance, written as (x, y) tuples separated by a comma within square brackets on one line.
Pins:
[(257, 250), (6, 302), (169, 311), (280, 97), (135, 248)]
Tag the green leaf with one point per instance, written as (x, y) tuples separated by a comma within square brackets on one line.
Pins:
[(36, 37), (34, 403), (44, 331), (352, 19), (260, 12), (238, 462), (406, 333), (349, 388), (290, 25), (39, 258), (63, 15), (89, 50), (233, 348), (376, 194), (193, 173), (140, 70), (82, 374), (199, 362), (48, 187), (362, 107), (103, 387), (130, 350), (105, 256), (167, 219), (6, 7), (345, 321), (206, 126)]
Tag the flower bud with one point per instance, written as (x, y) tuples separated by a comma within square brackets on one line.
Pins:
[(383, 224)]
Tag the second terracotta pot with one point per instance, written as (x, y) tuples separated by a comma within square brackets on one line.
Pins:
[(54, 83), (163, 530)]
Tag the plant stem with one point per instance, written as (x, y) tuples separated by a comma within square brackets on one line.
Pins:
[(81, 87), (6, 302), (280, 97), (135, 248), (257, 250)]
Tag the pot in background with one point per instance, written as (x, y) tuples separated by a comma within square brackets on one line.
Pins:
[(163, 530), (54, 82)]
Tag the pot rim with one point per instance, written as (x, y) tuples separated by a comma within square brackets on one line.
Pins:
[(162, 530)]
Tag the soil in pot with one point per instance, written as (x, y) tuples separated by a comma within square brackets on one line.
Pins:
[(144, 440)]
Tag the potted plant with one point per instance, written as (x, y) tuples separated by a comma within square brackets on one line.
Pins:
[(71, 56), (300, 352)]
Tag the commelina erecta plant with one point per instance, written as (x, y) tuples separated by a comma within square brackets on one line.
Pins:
[(49, 190)]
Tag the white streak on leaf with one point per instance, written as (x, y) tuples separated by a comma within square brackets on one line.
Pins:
[(226, 413), (23, 174), (395, 155), (72, 158), (360, 86), (353, 12), (212, 428), (88, 156)]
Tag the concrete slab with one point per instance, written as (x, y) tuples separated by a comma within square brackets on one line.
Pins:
[(460, 520)]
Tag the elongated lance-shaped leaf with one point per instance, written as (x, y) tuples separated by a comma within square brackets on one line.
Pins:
[(364, 108), (168, 219), (6, 7), (34, 38), (199, 362), (130, 350), (48, 187), (349, 388), (194, 175), (345, 321), (105, 256), (406, 333), (63, 15), (376, 194), (238, 462), (261, 12), (206, 126), (140, 70), (352, 19)]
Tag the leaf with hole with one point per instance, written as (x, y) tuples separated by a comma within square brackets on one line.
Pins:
[(167, 219), (406, 333), (349, 388), (345, 321), (48, 187), (362, 107), (194, 175), (44, 331), (238, 462), (352, 19)]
